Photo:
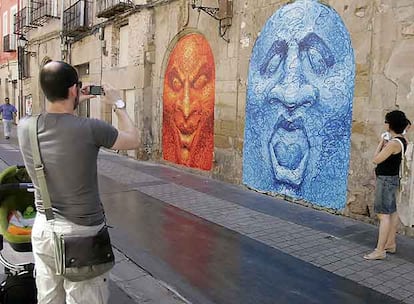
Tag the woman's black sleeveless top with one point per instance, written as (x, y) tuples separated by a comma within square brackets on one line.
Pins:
[(391, 166)]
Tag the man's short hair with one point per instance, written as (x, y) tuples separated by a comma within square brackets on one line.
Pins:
[(6, 99), (56, 77)]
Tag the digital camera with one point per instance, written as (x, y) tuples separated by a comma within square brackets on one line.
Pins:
[(95, 90)]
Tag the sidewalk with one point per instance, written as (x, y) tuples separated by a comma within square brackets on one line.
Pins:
[(220, 243), (331, 243)]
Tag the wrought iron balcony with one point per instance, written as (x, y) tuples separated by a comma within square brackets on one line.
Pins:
[(77, 18), (42, 11), (22, 21), (109, 8), (9, 43)]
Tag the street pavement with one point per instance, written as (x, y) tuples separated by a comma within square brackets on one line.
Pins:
[(130, 284), (223, 234), (118, 296), (211, 242)]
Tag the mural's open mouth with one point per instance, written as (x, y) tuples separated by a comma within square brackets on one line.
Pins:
[(187, 131), (187, 140), (289, 152), (186, 144)]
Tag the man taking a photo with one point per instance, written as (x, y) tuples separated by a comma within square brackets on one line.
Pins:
[(69, 147)]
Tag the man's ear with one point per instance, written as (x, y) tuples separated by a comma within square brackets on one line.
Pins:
[(73, 91)]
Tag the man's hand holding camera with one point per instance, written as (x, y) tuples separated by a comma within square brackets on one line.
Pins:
[(85, 94), (109, 95)]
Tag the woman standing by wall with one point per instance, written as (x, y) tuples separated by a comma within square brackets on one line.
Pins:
[(388, 159)]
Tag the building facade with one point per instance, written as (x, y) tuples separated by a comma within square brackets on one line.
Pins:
[(8, 52), (284, 97)]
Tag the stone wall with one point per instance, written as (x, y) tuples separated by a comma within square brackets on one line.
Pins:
[(383, 39), (382, 34)]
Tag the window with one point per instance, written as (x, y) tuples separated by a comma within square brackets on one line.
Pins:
[(24, 61), (5, 32), (13, 12), (54, 8), (123, 46), (26, 65), (83, 69)]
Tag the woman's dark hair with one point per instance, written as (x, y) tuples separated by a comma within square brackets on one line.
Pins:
[(397, 121), (56, 77)]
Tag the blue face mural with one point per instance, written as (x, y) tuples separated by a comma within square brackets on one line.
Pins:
[(299, 105)]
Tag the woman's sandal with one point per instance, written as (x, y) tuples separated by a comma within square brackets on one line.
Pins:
[(391, 249), (376, 255)]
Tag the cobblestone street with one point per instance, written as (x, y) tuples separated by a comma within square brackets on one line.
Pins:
[(323, 241), (312, 236)]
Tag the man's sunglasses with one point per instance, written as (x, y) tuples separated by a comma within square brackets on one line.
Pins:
[(78, 84)]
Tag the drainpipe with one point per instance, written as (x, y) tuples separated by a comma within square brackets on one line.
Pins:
[(62, 38)]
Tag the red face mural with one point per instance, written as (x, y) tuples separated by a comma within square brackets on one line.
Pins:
[(188, 113)]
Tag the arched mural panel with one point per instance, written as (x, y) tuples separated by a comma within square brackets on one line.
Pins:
[(299, 105), (188, 104)]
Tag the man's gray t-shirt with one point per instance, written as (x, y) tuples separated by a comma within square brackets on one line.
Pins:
[(69, 147)]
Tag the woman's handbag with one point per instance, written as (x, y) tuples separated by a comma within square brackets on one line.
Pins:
[(405, 194), (76, 258), (404, 171)]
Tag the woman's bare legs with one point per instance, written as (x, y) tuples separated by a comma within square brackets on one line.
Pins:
[(394, 222), (383, 232)]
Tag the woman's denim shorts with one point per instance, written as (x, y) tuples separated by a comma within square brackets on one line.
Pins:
[(385, 194)]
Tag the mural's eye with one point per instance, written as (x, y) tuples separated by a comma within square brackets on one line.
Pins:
[(200, 82), (274, 64), (274, 57), (317, 61), (176, 84), (274, 100)]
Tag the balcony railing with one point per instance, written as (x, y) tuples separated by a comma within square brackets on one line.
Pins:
[(109, 8), (42, 11), (9, 43), (77, 18), (22, 22)]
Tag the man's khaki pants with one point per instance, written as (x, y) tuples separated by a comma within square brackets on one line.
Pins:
[(53, 289)]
